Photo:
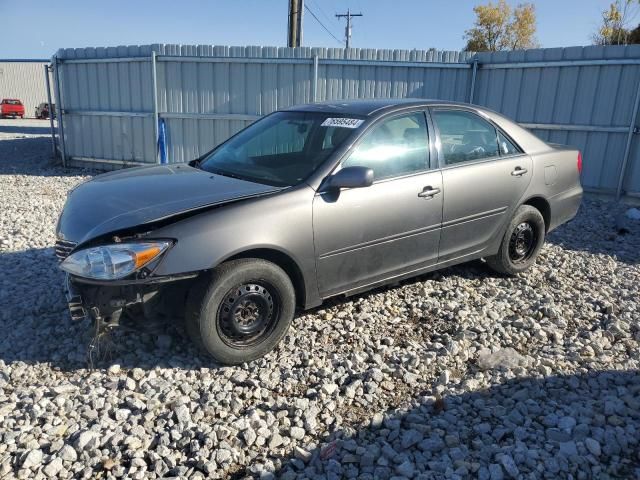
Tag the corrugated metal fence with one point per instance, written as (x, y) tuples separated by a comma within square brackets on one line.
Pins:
[(583, 96)]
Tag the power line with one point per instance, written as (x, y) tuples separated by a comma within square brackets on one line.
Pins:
[(322, 24), (317, 6)]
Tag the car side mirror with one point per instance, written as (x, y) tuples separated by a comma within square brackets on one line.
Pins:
[(350, 177)]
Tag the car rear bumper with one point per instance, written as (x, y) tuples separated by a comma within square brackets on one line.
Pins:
[(565, 206)]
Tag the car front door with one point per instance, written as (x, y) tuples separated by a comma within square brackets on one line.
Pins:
[(365, 235), (484, 175)]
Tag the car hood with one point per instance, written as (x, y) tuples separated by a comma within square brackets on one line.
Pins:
[(127, 198)]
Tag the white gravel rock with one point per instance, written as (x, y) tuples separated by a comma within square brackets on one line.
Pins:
[(297, 433), (593, 446), (68, 453), (87, 440), (506, 358), (33, 459), (53, 468)]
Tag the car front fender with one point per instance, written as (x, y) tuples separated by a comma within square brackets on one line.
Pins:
[(280, 223)]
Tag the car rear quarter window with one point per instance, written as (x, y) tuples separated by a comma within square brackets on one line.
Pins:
[(464, 136), (394, 147)]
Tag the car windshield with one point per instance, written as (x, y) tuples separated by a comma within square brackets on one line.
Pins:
[(282, 149), (12, 102)]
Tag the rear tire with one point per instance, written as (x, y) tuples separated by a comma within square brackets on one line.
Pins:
[(241, 311), (521, 243)]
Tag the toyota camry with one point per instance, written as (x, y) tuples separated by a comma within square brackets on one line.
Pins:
[(308, 203)]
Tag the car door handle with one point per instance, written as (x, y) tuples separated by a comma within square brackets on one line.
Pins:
[(519, 171), (429, 192)]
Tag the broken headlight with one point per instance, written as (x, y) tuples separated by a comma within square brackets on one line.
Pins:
[(112, 262)]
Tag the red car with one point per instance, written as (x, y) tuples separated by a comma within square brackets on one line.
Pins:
[(11, 108)]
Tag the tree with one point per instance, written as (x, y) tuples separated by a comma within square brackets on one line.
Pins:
[(522, 29), (634, 35), (614, 29), (498, 27)]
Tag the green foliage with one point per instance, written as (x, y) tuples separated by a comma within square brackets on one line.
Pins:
[(498, 27), (614, 30)]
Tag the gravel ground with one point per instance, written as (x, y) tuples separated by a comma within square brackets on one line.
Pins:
[(459, 374)]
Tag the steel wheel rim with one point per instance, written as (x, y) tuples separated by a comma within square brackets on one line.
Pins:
[(522, 242), (248, 314)]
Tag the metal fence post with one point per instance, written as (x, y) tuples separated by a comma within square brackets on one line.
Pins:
[(315, 79), (627, 148), (59, 107), (51, 110), (473, 79), (154, 74)]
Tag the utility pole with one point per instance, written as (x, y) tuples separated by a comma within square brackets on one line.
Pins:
[(347, 30), (294, 30)]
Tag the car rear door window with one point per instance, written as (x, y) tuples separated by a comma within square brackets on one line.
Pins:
[(464, 136), (397, 146)]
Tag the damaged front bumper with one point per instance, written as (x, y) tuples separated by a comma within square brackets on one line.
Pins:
[(103, 302), (74, 300)]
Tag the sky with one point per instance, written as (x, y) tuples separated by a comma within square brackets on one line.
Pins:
[(37, 28)]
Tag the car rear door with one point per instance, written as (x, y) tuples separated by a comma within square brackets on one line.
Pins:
[(484, 176), (365, 235)]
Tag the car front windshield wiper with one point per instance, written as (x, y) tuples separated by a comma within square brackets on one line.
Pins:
[(225, 173)]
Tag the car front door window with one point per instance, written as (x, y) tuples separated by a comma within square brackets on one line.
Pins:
[(397, 146)]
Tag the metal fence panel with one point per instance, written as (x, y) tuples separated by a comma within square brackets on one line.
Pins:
[(99, 100), (195, 83), (583, 96), (570, 95)]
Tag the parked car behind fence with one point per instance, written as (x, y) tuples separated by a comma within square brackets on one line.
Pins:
[(11, 107), (43, 111)]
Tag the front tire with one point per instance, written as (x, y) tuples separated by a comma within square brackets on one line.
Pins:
[(521, 243), (241, 311)]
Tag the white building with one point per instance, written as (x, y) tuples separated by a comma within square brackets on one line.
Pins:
[(24, 80)]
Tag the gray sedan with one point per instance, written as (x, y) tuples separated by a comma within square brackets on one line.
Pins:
[(309, 203)]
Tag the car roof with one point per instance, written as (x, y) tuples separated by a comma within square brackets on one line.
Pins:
[(373, 108), (368, 107)]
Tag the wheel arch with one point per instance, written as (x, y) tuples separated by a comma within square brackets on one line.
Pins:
[(542, 205), (284, 261)]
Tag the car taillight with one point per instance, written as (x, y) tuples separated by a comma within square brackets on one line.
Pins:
[(579, 162)]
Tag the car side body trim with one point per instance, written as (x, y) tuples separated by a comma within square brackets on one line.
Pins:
[(390, 238)]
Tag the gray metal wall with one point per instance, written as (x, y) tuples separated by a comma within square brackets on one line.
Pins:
[(584, 96), (25, 81)]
